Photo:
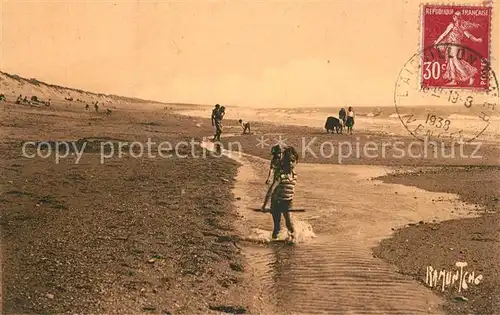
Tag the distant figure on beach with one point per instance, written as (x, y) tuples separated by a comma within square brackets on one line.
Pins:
[(457, 68), (96, 107), (217, 116), (282, 192), (222, 112), (342, 115), (245, 125), (275, 166), (214, 113), (87, 108), (350, 120), (108, 111), (49, 102), (19, 99)]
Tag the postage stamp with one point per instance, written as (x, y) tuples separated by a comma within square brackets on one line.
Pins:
[(455, 31), (448, 89)]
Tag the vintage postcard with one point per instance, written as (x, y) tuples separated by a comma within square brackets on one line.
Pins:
[(250, 157)]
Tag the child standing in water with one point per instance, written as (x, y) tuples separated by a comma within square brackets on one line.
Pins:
[(282, 192), (275, 166)]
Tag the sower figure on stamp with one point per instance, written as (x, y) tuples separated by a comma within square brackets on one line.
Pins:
[(282, 192), (457, 68)]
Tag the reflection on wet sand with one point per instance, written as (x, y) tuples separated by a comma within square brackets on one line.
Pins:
[(331, 268)]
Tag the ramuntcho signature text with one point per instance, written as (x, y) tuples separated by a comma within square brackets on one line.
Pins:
[(449, 278)]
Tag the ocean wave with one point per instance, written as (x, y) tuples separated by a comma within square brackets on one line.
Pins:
[(458, 116), (470, 117)]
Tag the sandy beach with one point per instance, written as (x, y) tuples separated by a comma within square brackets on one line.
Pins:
[(173, 234), (137, 139), (459, 223), (131, 235)]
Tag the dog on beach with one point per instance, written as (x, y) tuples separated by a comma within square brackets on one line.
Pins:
[(334, 124)]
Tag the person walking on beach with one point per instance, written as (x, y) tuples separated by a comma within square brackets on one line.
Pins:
[(222, 112), (214, 113), (245, 125), (275, 166), (282, 192), (342, 115), (217, 115), (350, 120)]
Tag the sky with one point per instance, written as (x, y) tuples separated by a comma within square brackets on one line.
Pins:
[(246, 53)]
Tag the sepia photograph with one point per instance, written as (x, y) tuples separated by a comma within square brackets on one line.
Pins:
[(250, 157)]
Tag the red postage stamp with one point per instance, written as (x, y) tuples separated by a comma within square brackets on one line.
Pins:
[(456, 43)]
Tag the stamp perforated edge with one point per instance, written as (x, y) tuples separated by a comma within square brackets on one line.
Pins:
[(484, 4), (421, 49)]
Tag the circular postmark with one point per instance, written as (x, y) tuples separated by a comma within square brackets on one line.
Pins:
[(435, 100)]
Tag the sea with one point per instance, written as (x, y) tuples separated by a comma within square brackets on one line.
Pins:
[(482, 124)]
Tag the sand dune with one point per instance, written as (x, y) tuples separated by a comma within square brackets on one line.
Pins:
[(13, 85)]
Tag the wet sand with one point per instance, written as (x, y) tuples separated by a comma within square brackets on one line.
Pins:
[(373, 120), (475, 241), (206, 250), (128, 236), (331, 268), (314, 145), (419, 241)]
